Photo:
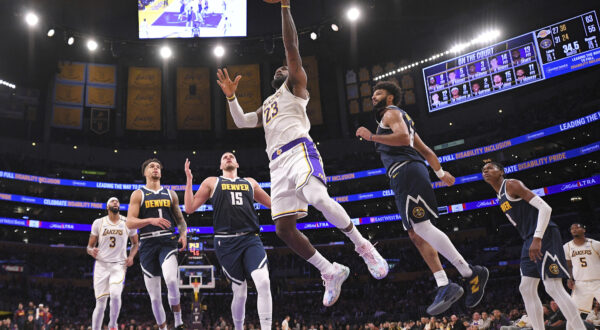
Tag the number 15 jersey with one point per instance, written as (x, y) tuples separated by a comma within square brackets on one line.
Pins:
[(233, 206), (284, 118)]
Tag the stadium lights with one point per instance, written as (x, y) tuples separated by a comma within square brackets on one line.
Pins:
[(353, 14), (313, 35), (335, 28), (51, 33), (31, 19), (92, 45), (219, 51), (71, 41), (484, 37), (165, 52), (7, 84)]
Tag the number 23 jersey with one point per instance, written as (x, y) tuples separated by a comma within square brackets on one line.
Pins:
[(112, 239), (284, 118)]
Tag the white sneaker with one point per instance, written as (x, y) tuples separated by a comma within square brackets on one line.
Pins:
[(377, 265), (333, 283)]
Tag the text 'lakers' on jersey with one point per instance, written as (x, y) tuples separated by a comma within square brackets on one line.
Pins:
[(112, 239), (393, 154), (156, 204), (284, 118), (585, 259), (233, 205), (520, 213)]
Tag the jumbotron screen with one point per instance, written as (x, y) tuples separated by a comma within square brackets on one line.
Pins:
[(554, 50), (159, 19)]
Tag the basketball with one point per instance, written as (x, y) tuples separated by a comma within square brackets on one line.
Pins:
[(272, 1)]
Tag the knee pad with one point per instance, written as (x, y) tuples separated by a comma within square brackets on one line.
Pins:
[(261, 279), (101, 303), (528, 285), (240, 291)]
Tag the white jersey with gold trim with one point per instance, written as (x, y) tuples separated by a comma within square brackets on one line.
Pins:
[(585, 259), (112, 239), (284, 118)]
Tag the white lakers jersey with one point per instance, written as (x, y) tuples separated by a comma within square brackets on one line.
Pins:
[(112, 239), (585, 259), (284, 118)]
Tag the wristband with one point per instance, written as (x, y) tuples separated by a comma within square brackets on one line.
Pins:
[(90, 249), (371, 138), (230, 98), (440, 173)]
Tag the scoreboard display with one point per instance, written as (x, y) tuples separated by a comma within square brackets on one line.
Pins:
[(560, 48)]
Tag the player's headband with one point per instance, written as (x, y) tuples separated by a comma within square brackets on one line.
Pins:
[(112, 199)]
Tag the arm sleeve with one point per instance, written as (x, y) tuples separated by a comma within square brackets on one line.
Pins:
[(241, 119), (543, 215), (566, 249), (96, 228)]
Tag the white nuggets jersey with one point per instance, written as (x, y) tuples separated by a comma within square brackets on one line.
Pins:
[(112, 239), (284, 118), (585, 259)]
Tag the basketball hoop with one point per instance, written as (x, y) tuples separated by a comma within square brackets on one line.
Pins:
[(196, 287)]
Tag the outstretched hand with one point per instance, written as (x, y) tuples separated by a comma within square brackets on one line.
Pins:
[(227, 85), (188, 172)]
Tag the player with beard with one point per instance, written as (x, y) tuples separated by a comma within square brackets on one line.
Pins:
[(402, 152), (237, 245), (110, 233), (154, 210), (297, 176)]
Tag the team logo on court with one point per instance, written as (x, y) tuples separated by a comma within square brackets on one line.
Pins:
[(553, 269), (418, 212)]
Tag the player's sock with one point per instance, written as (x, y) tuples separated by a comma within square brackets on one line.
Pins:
[(440, 278), (355, 236), (322, 264), (98, 314), (177, 317), (556, 290), (238, 304), (264, 301), (443, 245), (533, 304)]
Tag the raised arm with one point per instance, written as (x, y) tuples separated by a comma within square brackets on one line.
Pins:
[(194, 201), (240, 118), (297, 76), (133, 212), (517, 189), (179, 220), (260, 195)]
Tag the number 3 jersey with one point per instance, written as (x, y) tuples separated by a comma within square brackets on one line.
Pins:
[(233, 205), (585, 259), (284, 118), (112, 239)]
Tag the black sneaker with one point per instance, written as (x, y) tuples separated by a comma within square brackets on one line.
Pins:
[(475, 285), (446, 296), (181, 327)]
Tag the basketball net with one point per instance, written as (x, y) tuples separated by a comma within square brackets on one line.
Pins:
[(196, 287)]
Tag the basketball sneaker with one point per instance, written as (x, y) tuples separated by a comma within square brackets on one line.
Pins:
[(476, 285), (446, 296), (378, 267), (333, 283), (180, 327)]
